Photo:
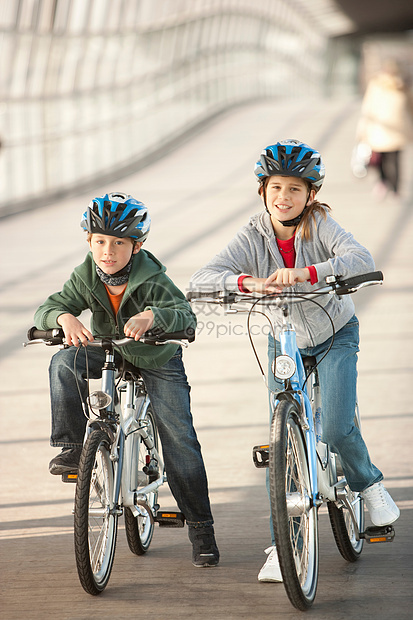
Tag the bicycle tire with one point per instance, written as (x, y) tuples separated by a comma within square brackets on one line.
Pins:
[(343, 529), (96, 518), (295, 519), (341, 523), (139, 530)]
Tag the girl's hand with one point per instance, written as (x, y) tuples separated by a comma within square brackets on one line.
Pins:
[(283, 278), (255, 285), (75, 332), (139, 324)]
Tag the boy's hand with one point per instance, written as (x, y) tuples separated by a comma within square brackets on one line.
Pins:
[(139, 324), (283, 278), (75, 332)]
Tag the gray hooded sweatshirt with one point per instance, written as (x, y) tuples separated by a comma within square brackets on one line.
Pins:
[(254, 251)]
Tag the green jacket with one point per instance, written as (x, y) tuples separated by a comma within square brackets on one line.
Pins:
[(148, 288)]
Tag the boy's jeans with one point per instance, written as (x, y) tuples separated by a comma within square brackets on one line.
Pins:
[(168, 390), (338, 384)]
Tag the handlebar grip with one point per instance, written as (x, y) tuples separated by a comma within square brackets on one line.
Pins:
[(365, 277), (199, 295), (44, 334), (221, 297), (185, 334)]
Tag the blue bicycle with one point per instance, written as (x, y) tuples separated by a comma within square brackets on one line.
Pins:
[(303, 471)]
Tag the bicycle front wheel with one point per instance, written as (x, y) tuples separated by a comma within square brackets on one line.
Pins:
[(139, 530), (96, 518), (294, 516)]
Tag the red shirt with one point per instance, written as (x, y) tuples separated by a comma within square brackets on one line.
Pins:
[(287, 251)]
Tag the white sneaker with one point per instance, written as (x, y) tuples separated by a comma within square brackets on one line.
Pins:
[(380, 505), (271, 570)]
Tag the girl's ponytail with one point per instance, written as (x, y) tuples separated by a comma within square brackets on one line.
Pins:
[(305, 226)]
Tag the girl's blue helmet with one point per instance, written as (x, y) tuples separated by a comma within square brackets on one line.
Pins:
[(118, 215), (291, 158)]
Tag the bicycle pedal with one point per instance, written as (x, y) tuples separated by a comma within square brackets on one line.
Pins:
[(69, 477), (260, 456), (377, 534), (170, 519)]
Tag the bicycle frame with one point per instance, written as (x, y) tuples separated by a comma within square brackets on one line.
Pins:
[(131, 416), (289, 347), (324, 484)]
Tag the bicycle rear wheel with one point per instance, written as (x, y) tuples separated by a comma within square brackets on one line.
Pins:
[(96, 519), (343, 526), (341, 521), (294, 517), (139, 530)]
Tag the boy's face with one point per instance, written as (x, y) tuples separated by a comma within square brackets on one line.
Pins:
[(287, 197), (112, 254)]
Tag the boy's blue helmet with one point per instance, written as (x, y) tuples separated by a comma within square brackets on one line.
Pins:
[(118, 215), (293, 159)]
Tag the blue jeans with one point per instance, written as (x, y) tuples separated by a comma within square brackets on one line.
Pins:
[(168, 391)]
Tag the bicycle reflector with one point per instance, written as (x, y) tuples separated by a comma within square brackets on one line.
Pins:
[(99, 400), (284, 367)]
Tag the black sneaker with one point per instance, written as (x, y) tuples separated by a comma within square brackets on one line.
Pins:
[(204, 547), (67, 460)]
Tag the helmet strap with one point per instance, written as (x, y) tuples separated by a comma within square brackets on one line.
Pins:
[(296, 220)]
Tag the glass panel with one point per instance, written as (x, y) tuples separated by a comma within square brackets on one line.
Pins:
[(7, 55), (61, 16), (98, 15), (77, 19), (80, 77), (27, 14), (20, 66), (46, 15), (8, 14)]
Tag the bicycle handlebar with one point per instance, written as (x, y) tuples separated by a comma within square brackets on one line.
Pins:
[(335, 284), (56, 337), (353, 284)]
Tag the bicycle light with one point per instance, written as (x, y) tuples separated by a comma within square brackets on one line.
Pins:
[(284, 367), (99, 400)]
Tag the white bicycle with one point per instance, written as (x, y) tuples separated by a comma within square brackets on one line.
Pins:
[(121, 468)]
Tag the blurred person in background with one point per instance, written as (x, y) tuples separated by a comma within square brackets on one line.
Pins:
[(386, 125)]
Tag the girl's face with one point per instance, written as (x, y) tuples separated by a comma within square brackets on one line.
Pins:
[(287, 197), (112, 254)]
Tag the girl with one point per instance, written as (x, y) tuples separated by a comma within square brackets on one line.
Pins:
[(295, 243)]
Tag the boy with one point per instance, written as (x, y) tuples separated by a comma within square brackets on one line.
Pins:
[(128, 292)]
